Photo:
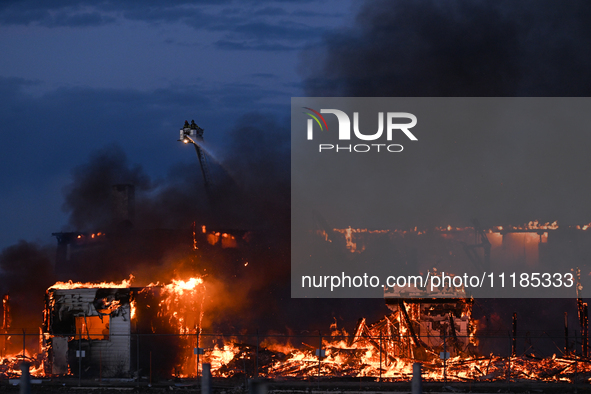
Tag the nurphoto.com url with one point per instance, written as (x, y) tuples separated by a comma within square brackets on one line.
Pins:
[(441, 281)]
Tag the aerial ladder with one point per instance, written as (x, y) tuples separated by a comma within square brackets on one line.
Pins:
[(191, 133)]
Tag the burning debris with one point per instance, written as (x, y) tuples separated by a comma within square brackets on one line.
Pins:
[(367, 356), (423, 328)]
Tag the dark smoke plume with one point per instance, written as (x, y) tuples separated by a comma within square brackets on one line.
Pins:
[(26, 271), (258, 159), (456, 48), (251, 184), (88, 197)]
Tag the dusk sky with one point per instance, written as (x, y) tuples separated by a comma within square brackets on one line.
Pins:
[(79, 76)]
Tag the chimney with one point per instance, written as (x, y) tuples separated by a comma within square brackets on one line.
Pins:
[(123, 200)]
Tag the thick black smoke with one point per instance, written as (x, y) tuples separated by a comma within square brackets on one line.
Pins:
[(88, 198), (251, 185), (26, 271), (471, 48), (258, 161), (456, 48)]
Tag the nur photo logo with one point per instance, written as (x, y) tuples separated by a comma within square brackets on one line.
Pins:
[(394, 123)]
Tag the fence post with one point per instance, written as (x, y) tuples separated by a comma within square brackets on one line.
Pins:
[(444, 360), (198, 337), (575, 351), (566, 333), (380, 355), (206, 379), (137, 339), (417, 383), (79, 357), (25, 380), (509, 362), (514, 342), (256, 371), (319, 355), (257, 387)]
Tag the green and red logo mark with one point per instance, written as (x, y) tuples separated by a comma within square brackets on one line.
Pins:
[(315, 116)]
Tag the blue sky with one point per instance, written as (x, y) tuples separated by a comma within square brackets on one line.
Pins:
[(77, 76)]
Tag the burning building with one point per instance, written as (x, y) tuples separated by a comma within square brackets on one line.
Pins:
[(428, 324), (90, 325), (93, 329)]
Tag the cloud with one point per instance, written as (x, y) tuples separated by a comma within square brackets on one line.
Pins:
[(263, 75), (261, 26), (253, 46), (53, 14), (268, 36), (85, 19)]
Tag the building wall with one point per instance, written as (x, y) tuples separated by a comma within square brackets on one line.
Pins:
[(71, 312)]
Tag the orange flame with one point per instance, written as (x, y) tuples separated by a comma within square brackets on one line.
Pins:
[(103, 285)]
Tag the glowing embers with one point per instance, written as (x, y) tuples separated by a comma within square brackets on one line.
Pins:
[(10, 365), (227, 240)]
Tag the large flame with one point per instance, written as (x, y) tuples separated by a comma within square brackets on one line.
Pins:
[(102, 285)]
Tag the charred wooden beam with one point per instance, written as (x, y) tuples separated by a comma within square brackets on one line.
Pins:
[(409, 324), (566, 333), (360, 330), (6, 318), (584, 322), (514, 342)]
